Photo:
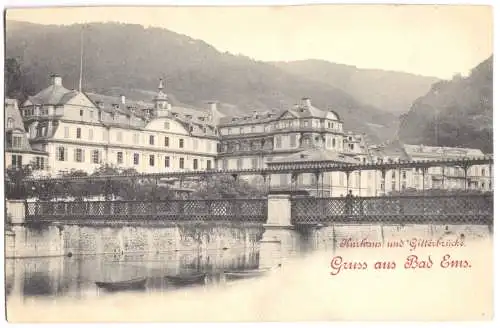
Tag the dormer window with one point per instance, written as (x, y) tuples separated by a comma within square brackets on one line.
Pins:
[(10, 123)]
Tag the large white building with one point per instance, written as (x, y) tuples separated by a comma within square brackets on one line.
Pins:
[(80, 132), (74, 130)]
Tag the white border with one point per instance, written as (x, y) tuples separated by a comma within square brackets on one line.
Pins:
[(45, 3)]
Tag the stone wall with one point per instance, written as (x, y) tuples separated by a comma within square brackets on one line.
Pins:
[(60, 239)]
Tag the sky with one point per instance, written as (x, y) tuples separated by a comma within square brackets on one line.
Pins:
[(431, 40)]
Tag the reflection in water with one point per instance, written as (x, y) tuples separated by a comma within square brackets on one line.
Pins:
[(76, 276)]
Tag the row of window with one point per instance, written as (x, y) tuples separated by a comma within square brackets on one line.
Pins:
[(152, 140), (283, 124), (79, 157), (39, 163)]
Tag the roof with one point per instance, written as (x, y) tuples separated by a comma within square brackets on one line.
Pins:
[(304, 110), (441, 152), (12, 112), (390, 149), (316, 155)]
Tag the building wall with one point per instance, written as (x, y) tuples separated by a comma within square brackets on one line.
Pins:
[(155, 140)]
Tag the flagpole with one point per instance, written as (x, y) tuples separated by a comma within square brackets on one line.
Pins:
[(81, 60)]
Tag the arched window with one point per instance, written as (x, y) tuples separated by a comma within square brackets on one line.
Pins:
[(10, 123)]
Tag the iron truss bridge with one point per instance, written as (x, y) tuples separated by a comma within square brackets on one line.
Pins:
[(290, 168)]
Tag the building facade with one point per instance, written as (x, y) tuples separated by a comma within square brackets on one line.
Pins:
[(74, 130), (478, 177), (18, 151), (81, 132)]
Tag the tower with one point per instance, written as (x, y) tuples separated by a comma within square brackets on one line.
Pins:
[(160, 100)]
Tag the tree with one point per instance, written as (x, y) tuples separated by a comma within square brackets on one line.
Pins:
[(227, 187), (15, 186), (17, 84)]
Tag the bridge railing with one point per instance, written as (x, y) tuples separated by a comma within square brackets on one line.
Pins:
[(458, 209), (254, 210)]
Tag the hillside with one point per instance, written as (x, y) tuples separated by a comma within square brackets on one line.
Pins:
[(460, 110), (390, 91), (129, 59)]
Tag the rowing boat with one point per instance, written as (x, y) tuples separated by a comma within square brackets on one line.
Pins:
[(132, 284), (187, 279), (250, 273)]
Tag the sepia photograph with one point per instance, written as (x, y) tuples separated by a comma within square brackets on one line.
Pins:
[(248, 163)]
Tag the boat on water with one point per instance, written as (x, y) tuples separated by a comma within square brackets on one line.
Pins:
[(132, 284), (183, 280), (250, 273)]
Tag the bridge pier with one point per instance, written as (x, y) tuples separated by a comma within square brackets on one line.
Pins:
[(280, 239)]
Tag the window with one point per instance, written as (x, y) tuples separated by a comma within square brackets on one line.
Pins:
[(224, 164), (181, 163), (119, 157), (166, 125), (293, 141), (151, 160), (278, 141), (167, 142), (78, 133), (404, 175), (208, 146), (79, 155), (119, 136), (136, 159), (394, 174), (81, 112), (151, 140), (167, 161), (10, 123), (483, 172), (17, 141), (209, 164), (96, 158), (91, 134), (195, 144), (40, 163), (17, 161), (253, 128), (195, 164), (91, 114), (393, 185), (181, 143), (136, 138), (239, 163), (403, 185), (254, 163), (66, 132), (61, 154)]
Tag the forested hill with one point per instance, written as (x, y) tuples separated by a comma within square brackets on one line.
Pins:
[(459, 110), (390, 91), (129, 59)]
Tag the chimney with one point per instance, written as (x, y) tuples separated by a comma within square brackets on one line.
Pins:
[(306, 102), (122, 98), (56, 80), (213, 105)]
